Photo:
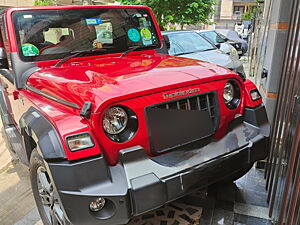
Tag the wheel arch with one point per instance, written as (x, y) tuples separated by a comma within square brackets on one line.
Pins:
[(38, 131)]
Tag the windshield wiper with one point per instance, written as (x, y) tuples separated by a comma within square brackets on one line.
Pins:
[(185, 53), (78, 53), (209, 49), (132, 49)]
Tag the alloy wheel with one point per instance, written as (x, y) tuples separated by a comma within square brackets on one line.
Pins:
[(49, 198)]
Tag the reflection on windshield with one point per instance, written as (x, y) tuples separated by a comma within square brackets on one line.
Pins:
[(213, 37), (54, 34), (188, 42)]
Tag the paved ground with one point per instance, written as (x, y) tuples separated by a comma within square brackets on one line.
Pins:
[(16, 200)]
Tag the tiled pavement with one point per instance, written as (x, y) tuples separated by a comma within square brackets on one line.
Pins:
[(240, 203)]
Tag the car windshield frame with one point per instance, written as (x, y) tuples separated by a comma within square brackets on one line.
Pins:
[(183, 52), (132, 27)]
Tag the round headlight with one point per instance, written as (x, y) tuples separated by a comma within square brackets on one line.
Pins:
[(115, 120), (228, 93)]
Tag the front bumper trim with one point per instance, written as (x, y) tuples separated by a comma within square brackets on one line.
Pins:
[(139, 183)]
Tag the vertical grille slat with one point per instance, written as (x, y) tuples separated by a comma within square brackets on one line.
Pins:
[(203, 102), (188, 104), (198, 104), (178, 105), (208, 105)]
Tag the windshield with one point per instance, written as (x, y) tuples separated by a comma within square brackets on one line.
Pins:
[(213, 37), (188, 42), (54, 34), (231, 35)]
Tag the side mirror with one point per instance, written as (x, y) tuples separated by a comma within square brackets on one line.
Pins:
[(3, 59), (218, 45), (226, 39), (167, 41)]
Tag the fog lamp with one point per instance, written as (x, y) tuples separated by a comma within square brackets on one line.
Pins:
[(255, 95), (79, 142), (97, 204)]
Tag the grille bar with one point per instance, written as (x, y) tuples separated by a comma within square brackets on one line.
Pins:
[(203, 102)]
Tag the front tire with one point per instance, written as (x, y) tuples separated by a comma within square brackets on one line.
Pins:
[(44, 192)]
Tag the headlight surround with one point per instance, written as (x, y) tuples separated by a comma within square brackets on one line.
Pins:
[(114, 120), (231, 94), (119, 123)]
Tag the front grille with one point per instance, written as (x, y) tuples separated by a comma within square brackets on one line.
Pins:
[(182, 122), (204, 102)]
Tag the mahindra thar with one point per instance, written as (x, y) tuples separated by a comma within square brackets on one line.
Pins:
[(110, 128)]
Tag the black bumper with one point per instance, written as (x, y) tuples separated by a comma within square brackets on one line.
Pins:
[(140, 183)]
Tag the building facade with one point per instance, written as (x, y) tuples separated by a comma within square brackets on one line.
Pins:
[(17, 3), (229, 12)]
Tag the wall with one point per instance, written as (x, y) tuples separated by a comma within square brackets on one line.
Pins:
[(226, 9), (59, 2), (16, 2), (276, 25)]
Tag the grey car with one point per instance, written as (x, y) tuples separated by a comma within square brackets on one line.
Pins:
[(217, 40), (189, 44), (234, 39)]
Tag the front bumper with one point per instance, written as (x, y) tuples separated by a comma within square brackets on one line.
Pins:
[(140, 183)]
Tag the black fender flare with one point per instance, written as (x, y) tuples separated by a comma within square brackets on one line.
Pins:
[(35, 125)]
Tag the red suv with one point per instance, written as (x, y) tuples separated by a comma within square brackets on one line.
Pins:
[(111, 129)]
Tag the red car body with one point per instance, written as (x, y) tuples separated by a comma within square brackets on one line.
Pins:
[(136, 81)]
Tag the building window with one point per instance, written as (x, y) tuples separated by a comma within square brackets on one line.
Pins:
[(238, 10)]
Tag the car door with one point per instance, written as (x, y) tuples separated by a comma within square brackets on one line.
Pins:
[(8, 94)]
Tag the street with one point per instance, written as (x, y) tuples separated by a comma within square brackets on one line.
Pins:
[(16, 199)]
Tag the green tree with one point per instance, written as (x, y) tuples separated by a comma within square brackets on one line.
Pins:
[(44, 2), (178, 11)]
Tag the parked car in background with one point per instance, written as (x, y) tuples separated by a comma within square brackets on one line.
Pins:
[(218, 41), (233, 38), (190, 44)]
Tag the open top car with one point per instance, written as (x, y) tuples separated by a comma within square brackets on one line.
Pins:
[(109, 128)]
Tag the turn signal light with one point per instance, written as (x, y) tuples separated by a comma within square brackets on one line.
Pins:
[(255, 95), (79, 142)]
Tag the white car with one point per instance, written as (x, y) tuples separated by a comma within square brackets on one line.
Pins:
[(191, 45)]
